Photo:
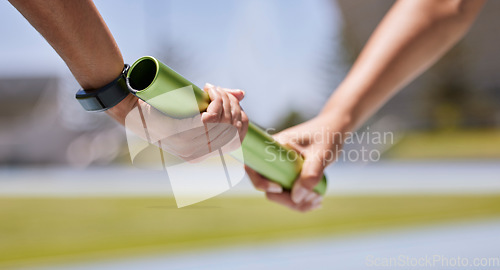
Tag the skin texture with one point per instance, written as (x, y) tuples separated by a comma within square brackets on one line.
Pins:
[(198, 137), (77, 32), (413, 35)]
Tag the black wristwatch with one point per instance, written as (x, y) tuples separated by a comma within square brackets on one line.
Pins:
[(106, 97)]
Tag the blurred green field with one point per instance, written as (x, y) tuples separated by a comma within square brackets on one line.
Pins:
[(59, 230), (451, 144)]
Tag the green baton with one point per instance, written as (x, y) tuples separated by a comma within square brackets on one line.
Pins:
[(148, 78)]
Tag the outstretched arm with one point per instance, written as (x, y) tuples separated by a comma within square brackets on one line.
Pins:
[(412, 36), (76, 30)]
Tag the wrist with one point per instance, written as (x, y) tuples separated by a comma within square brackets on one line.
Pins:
[(94, 76), (119, 111), (330, 129), (349, 105), (338, 116), (106, 97)]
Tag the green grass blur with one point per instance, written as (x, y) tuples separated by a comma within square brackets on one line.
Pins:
[(448, 144), (36, 231)]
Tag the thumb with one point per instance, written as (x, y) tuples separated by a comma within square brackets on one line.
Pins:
[(312, 171)]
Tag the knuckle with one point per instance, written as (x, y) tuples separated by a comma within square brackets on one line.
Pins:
[(244, 118), (234, 111), (312, 175), (259, 185), (270, 197), (218, 99), (232, 98)]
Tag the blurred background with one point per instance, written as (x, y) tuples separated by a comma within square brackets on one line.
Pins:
[(70, 196)]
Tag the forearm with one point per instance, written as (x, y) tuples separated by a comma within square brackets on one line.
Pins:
[(411, 37), (80, 36)]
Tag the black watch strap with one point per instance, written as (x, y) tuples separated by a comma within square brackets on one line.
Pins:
[(105, 97)]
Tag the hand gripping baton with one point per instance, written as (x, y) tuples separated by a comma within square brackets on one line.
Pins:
[(148, 78)]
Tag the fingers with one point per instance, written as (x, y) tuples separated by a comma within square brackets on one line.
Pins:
[(240, 119), (221, 110), (225, 108), (262, 183), (186, 138), (237, 93), (235, 110), (215, 108), (302, 198), (244, 126), (202, 146), (226, 104), (286, 200), (310, 175), (217, 141)]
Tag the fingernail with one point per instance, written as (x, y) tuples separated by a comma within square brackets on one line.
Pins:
[(274, 188), (209, 85), (299, 193), (211, 92)]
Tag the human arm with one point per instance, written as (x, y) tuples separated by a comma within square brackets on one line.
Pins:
[(78, 33), (412, 36)]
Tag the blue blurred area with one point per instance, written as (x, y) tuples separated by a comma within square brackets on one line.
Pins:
[(381, 178), (274, 50), (288, 55), (271, 49)]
